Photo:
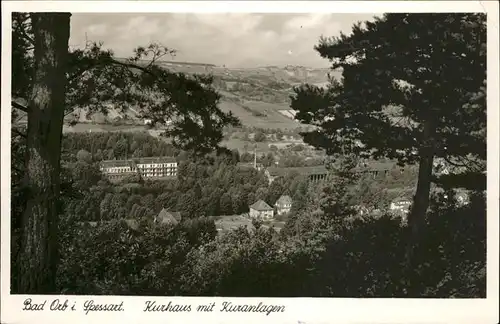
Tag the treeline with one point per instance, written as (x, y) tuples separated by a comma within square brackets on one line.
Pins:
[(325, 249), (213, 186), (285, 159), (200, 189), (269, 133), (115, 145)]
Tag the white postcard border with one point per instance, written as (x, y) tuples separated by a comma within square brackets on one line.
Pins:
[(306, 310)]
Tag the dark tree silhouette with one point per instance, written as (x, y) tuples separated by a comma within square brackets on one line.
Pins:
[(49, 83), (412, 89)]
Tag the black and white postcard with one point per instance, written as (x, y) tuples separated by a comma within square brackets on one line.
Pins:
[(252, 162)]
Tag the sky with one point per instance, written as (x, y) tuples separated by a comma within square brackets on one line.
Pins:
[(230, 39)]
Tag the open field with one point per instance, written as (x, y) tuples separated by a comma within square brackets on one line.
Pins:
[(251, 113), (259, 114), (90, 127), (233, 143), (256, 106), (248, 146), (225, 223)]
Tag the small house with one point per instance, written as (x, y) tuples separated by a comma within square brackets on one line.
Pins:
[(261, 209), (283, 204), (167, 217)]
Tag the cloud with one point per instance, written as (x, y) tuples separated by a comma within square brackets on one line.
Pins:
[(231, 39), (98, 29)]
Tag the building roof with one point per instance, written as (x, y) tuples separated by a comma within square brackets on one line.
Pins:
[(116, 163), (156, 159), (261, 205), (284, 200), (165, 217)]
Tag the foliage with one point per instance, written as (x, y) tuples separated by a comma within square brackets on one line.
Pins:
[(110, 245), (93, 80), (211, 186), (324, 250), (362, 257), (259, 137), (447, 52), (112, 258), (418, 79)]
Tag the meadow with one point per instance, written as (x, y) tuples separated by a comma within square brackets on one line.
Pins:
[(227, 223)]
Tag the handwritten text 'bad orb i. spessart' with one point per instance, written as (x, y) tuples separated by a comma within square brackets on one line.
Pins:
[(88, 306), (58, 305)]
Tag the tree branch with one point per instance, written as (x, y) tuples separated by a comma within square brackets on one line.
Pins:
[(27, 37), (133, 66), (22, 31), (19, 106)]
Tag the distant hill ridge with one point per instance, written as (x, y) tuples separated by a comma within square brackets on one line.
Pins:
[(173, 62), (259, 96)]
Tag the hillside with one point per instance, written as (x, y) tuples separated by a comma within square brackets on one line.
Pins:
[(259, 96)]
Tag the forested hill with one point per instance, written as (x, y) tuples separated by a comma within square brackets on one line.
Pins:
[(259, 96)]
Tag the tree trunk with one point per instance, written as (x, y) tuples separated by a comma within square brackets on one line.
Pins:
[(38, 251), (416, 218)]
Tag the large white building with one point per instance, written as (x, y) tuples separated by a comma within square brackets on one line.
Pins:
[(118, 169), (149, 168), (157, 167)]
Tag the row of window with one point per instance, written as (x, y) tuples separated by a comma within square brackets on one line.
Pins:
[(159, 174), (143, 167), (157, 165), (122, 170), (120, 174)]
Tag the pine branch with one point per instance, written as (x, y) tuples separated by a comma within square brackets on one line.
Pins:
[(133, 66)]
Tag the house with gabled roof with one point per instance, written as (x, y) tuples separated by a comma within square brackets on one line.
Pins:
[(283, 204), (261, 209), (168, 217)]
